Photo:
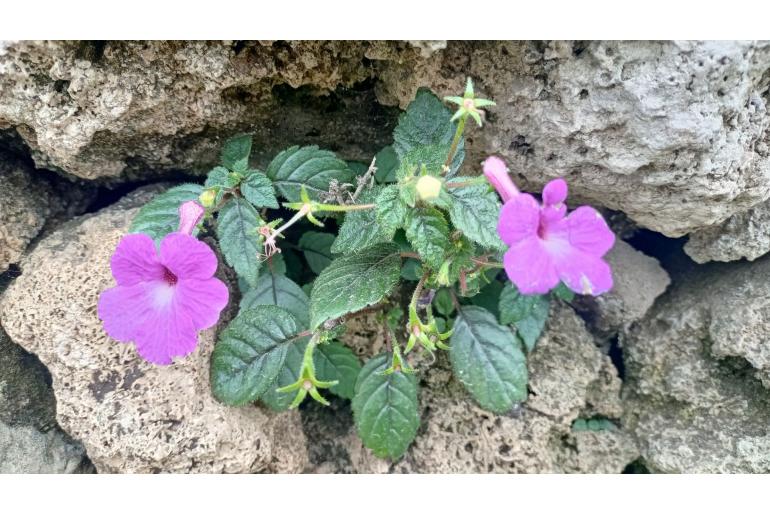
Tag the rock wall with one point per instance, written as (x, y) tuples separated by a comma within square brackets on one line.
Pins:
[(670, 138)]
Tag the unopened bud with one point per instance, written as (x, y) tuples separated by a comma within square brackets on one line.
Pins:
[(190, 213), (207, 198), (428, 187)]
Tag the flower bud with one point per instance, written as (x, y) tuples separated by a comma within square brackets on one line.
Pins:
[(207, 198), (428, 187), (497, 174), (190, 213)]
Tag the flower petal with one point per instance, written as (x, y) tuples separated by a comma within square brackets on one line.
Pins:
[(165, 334), (202, 300), (135, 260), (588, 232), (519, 219), (555, 192), (123, 309), (583, 273), (187, 257), (530, 267), (497, 174)]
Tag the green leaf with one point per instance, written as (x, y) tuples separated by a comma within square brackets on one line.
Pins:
[(357, 167), (237, 232), (361, 228), (426, 122), (317, 249), (386, 408), (563, 292), (289, 373), (223, 179), (593, 424), (391, 209), (279, 290), (160, 215), (528, 313), (443, 302), (335, 362), (489, 297), (487, 360), (235, 153), (428, 232), (309, 167), (258, 190), (250, 353), (412, 270), (432, 156), (475, 211), (387, 163), (353, 282)]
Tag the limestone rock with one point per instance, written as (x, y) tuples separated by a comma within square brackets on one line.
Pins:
[(26, 450), (570, 378), (638, 281), (695, 370), (743, 235), (130, 415)]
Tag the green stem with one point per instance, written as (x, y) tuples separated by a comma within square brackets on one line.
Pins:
[(414, 319), (337, 207), (456, 140), (473, 182)]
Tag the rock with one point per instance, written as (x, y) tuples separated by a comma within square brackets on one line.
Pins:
[(695, 371), (130, 415), (27, 202), (743, 235), (138, 109), (674, 134), (25, 450), (570, 378), (638, 281)]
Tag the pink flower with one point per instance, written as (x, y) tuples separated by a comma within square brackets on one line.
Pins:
[(546, 247), (190, 213), (162, 300), (497, 174)]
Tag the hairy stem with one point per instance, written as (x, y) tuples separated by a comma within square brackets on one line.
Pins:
[(456, 140)]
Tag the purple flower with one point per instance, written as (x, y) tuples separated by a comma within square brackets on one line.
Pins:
[(546, 247), (190, 213), (163, 299)]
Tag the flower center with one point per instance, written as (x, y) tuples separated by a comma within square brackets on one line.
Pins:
[(542, 230), (169, 276)]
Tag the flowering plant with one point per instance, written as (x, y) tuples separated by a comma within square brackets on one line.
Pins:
[(407, 222)]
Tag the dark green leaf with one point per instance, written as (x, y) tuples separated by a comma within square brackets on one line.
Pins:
[(353, 282), (430, 156), (222, 178), (528, 313), (357, 167), (428, 232), (487, 360), (235, 153), (258, 190), (426, 122), (279, 290), (475, 211), (160, 215), (360, 228), (387, 163), (391, 209), (412, 270), (386, 408), (237, 232), (489, 297), (442, 302), (308, 166), (335, 362), (250, 353), (317, 249), (593, 424), (289, 373), (563, 292)]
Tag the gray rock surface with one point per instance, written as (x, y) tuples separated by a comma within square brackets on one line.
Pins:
[(26, 450), (638, 281), (131, 416), (695, 370), (570, 379), (743, 235)]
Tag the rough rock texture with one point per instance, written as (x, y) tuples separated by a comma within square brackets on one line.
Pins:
[(570, 378), (743, 235), (695, 370), (638, 281), (106, 109), (27, 202), (130, 415), (26, 450)]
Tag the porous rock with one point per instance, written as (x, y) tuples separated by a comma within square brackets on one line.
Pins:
[(569, 379), (696, 365), (130, 415), (27, 450)]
